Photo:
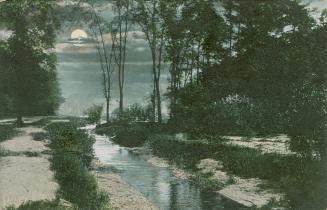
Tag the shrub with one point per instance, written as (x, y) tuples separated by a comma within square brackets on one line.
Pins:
[(66, 137), (78, 121), (228, 115), (94, 114), (133, 113), (71, 160), (31, 154), (40, 136), (77, 185), (308, 121), (7, 132), (127, 135)]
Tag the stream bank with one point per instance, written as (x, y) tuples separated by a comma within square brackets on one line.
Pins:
[(155, 181), (245, 175)]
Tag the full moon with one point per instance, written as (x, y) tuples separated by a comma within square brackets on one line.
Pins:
[(78, 33)]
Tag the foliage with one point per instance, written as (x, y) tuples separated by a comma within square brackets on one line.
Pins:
[(133, 113), (6, 102), (275, 64), (292, 174), (30, 85), (67, 138), (7, 132), (309, 121), (128, 135), (94, 114), (71, 160), (206, 182), (40, 136), (78, 121), (38, 205), (77, 185)]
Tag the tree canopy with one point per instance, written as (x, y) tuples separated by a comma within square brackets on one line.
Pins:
[(29, 64)]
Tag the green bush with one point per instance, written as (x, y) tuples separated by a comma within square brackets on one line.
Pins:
[(40, 136), (127, 135), (308, 121), (78, 121), (67, 138), (71, 160), (94, 114), (229, 115), (7, 132), (40, 205), (77, 185), (133, 113)]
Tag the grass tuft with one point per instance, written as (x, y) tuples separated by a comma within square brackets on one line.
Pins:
[(7, 132)]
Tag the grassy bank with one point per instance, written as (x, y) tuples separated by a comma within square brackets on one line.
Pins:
[(302, 180), (7, 132), (127, 135), (71, 162)]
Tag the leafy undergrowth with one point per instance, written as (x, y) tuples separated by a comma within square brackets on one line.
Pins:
[(7, 132), (40, 205), (71, 161), (127, 135), (303, 180), (40, 136)]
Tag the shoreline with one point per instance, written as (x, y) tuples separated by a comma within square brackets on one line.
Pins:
[(245, 192)]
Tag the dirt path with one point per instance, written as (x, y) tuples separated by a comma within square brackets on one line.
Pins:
[(25, 178)]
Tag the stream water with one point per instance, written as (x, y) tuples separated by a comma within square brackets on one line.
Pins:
[(157, 184)]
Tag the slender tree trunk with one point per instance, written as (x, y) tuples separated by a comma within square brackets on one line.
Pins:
[(230, 30), (158, 78), (121, 104), (154, 107), (105, 64), (158, 101)]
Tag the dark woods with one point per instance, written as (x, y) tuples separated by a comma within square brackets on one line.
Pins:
[(247, 68)]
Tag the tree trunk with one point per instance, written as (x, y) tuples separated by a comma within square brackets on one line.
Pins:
[(154, 83), (121, 99), (158, 101), (107, 110)]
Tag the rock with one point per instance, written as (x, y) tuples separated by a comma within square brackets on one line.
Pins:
[(209, 166)]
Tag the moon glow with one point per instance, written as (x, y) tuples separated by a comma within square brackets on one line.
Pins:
[(78, 33)]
